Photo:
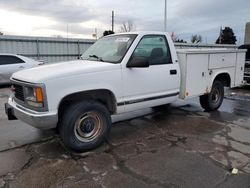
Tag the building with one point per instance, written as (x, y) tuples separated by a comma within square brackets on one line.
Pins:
[(247, 33)]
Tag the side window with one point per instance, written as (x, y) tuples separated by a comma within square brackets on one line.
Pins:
[(155, 49), (7, 60)]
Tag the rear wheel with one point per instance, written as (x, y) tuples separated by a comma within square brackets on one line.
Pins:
[(214, 99), (85, 125)]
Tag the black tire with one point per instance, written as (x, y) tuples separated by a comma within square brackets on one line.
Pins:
[(214, 99), (85, 125)]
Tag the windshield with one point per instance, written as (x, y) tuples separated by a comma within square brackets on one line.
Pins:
[(109, 49)]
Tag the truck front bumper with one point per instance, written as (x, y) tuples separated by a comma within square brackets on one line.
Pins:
[(40, 120)]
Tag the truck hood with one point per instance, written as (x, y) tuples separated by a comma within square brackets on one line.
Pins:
[(63, 69)]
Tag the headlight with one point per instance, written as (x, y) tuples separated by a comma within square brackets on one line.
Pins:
[(34, 96)]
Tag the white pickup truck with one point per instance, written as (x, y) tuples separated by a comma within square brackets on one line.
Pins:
[(120, 73)]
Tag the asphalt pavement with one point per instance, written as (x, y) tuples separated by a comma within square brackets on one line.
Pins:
[(179, 146)]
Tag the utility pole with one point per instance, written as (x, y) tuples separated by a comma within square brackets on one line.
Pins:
[(113, 15), (96, 33), (165, 16), (220, 37)]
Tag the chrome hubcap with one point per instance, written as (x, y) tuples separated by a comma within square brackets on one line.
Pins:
[(88, 126), (215, 95)]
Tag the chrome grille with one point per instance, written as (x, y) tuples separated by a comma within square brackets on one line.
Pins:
[(19, 92)]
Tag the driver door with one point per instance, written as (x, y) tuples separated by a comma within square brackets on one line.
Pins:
[(153, 85)]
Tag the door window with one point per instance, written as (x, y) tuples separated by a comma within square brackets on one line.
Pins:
[(6, 60), (155, 49)]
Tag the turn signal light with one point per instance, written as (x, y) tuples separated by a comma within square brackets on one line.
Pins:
[(39, 94)]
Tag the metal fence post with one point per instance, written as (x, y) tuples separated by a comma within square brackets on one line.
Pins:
[(78, 49), (37, 49)]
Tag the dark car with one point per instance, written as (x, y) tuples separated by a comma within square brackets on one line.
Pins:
[(247, 64)]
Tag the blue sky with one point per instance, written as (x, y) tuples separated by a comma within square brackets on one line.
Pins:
[(81, 17)]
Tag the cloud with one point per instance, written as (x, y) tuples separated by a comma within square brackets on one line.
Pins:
[(206, 17), (213, 8), (184, 17), (72, 29), (62, 11)]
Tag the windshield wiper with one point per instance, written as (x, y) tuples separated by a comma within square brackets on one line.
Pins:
[(96, 57)]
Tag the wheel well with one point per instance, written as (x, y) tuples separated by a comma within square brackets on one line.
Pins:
[(224, 78), (104, 96)]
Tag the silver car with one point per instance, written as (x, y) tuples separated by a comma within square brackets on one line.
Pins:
[(10, 63)]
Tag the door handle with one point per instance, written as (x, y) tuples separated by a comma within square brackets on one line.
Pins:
[(21, 67), (173, 71)]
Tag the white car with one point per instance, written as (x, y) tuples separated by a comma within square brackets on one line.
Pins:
[(11, 63)]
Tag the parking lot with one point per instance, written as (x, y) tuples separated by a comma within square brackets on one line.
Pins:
[(179, 146)]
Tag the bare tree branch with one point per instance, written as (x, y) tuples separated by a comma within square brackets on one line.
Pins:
[(196, 39), (128, 26)]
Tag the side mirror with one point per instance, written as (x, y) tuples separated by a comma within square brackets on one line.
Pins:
[(138, 62)]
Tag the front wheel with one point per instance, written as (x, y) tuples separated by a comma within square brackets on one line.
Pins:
[(85, 125), (214, 99)]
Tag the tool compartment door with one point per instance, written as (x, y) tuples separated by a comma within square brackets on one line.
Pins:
[(196, 74), (221, 60)]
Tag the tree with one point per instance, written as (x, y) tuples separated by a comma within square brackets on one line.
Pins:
[(226, 36), (127, 26), (1, 33), (196, 39), (108, 32)]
